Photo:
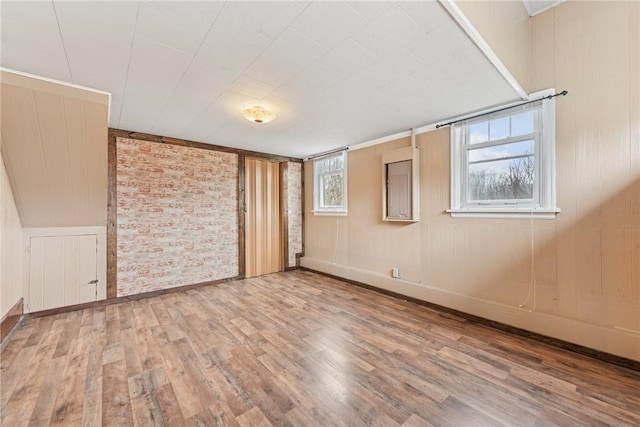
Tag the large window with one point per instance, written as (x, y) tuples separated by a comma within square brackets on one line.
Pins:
[(330, 184), (504, 163)]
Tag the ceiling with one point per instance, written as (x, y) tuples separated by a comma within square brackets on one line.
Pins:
[(535, 7), (336, 73)]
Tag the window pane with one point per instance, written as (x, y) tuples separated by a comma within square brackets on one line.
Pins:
[(331, 191), (478, 132), (501, 151), (499, 128), (330, 164), (522, 123), (502, 179)]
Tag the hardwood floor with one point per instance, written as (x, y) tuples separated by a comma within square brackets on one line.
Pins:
[(298, 349)]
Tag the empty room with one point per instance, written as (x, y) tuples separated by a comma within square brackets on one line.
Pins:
[(320, 213)]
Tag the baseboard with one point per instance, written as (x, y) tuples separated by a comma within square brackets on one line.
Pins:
[(615, 346), (127, 298), (11, 319)]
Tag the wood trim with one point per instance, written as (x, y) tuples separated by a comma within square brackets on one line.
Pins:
[(302, 193), (193, 144), (242, 207), (112, 219), (11, 319), (555, 342), (284, 214), (126, 298)]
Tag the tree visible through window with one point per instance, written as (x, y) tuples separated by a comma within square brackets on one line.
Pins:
[(330, 190), (501, 162), (505, 162)]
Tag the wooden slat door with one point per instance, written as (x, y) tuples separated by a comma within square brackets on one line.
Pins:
[(62, 271), (263, 250)]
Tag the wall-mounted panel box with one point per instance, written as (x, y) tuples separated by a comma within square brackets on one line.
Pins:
[(401, 185)]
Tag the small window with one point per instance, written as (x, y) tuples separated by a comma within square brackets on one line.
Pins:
[(505, 162), (330, 184)]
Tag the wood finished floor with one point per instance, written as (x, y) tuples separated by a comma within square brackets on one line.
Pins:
[(296, 349)]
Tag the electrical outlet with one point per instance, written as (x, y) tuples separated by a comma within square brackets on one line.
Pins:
[(395, 272)]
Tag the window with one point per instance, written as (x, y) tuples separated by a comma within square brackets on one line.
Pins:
[(503, 164), (330, 184)]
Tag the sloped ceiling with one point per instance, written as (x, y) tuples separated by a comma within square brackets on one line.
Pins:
[(53, 140), (336, 73)]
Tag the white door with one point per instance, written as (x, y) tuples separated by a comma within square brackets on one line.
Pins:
[(62, 271)]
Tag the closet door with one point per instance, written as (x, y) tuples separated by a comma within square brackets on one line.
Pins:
[(62, 271), (263, 242)]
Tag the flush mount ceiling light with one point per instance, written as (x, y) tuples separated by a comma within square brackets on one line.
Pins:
[(258, 114)]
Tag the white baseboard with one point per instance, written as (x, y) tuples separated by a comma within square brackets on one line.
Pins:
[(618, 342)]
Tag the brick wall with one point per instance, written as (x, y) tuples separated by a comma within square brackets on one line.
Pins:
[(177, 216), (294, 195)]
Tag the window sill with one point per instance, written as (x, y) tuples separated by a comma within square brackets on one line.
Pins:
[(400, 220), (504, 213), (329, 213)]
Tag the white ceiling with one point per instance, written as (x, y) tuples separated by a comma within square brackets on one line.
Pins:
[(336, 73), (535, 7)]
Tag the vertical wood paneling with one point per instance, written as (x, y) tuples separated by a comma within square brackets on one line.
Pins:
[(263, 243), (241, 216), (54, 284), (95, 146), (617, 265), (284, 213), (79, 168), (21, 147), (250, 216), (635, 267), (60, 270), (589, 261), (71, 270), (11, 246), (86, 269), (54, 139), (36, 274), (55, 151)]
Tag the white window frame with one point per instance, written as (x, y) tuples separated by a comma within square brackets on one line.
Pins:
[(318, 209), (543, 205)]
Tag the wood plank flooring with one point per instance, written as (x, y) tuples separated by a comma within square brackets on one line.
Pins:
[(296, 349)]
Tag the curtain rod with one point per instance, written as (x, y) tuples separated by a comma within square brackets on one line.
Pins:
[(563, 93), (327, 153)]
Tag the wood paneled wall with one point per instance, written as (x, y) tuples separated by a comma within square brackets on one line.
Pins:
[(592, 49), (11, 249), (576, 278), (504, 25), (54, 142)]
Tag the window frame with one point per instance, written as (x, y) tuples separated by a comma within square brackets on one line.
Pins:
[(318, 209), (543, 203)]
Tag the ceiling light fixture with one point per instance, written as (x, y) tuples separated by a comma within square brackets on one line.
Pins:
[(258, 114)]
